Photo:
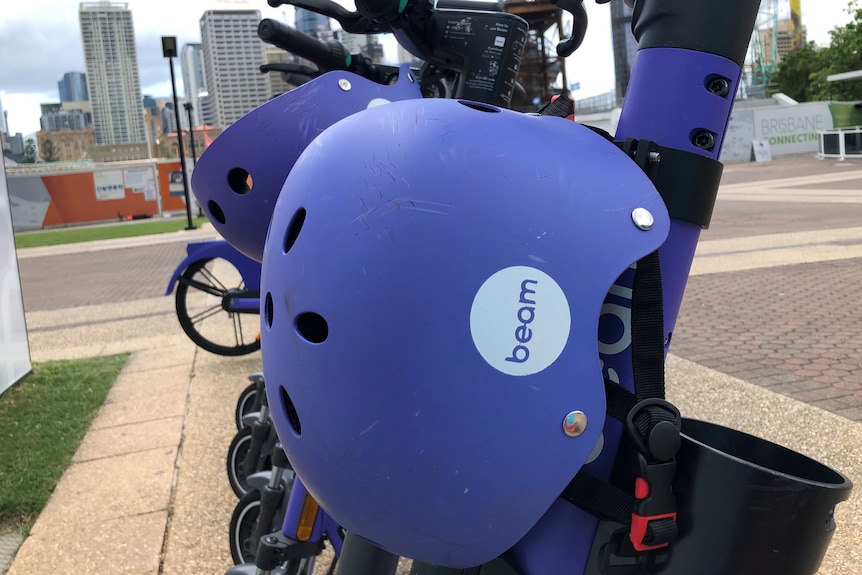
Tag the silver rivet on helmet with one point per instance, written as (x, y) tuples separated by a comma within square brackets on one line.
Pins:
[(575, 423), (642, 218), (344, 84)]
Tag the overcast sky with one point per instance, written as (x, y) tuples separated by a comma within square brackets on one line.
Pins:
[(40, 40)]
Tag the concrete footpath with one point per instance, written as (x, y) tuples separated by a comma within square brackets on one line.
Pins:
[(147, 492)]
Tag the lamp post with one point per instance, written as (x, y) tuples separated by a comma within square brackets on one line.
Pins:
[(188, 106), (169, 51)]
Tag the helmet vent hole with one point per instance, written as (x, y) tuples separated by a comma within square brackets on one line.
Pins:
[(289, 408), (293, 229), (239, 181), (312, 327), (216, 212), (267, 310), (479, 106)]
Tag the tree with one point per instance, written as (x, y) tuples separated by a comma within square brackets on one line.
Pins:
[(844, 54), (49, 151), (802, 75), (30, 154), (799, 70)]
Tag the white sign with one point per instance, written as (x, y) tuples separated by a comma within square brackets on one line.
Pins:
[(14, 346), (792, 129), (760, 150), (109, 185), (137, 179)]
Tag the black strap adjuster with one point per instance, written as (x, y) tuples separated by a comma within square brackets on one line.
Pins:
[(654, 425)]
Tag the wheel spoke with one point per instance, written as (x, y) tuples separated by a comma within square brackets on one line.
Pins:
[(207, 313), (206, 288)]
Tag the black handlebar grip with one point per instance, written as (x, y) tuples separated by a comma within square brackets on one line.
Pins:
[(328, 56)]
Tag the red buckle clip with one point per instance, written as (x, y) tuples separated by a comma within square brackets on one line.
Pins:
[(655, 501), (639, 531)]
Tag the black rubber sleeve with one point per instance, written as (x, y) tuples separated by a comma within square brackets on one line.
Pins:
[(327, 55)]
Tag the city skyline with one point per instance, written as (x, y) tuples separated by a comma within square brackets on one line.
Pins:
[(43, 30)]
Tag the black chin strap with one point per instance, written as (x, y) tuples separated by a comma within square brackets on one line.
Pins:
[(652, 425)]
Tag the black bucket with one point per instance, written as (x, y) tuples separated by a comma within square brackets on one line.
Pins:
[(745, 507)]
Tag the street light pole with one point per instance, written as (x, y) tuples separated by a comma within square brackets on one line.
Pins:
[(169, 50), (188, 106)]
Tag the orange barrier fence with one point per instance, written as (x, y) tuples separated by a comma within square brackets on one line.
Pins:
[(50, 195)]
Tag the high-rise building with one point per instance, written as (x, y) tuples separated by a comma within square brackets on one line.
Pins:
[(311, 23), (625, 46), (784, 40), (278, 83), (232, 55), (3, 127), (58, 120), (73, 87), (113, 81), (194, 85)]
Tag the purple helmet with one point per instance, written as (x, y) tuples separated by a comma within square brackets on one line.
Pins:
[(432, 290), (239, 176)]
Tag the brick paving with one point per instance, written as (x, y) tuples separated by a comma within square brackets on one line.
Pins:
[(118, 275), (793, 329), (733, 219)]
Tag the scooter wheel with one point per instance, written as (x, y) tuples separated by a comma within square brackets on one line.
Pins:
[(236, 454), (243, 522), (247, 403)]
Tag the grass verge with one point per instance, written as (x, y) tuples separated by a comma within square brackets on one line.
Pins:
[(42, 421), (107, 232)]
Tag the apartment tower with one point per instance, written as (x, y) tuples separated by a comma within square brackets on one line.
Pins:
[(113, 81), (232, 55)]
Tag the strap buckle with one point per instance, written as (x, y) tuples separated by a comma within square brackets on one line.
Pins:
[(654, 517)]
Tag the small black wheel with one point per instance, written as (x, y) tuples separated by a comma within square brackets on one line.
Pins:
[(247, 403), (243, 523), (236, 454), (199, 299)]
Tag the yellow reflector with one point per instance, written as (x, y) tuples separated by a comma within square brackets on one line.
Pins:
[(307, 517)]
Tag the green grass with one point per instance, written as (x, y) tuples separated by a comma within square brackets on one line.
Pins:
[(90, 233), (42, 421)]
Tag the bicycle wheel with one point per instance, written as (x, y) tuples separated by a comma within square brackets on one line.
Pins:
[(199, 307), (247, 403), (236, 453)]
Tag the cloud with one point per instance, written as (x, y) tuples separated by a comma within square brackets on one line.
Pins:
[(35, 56)]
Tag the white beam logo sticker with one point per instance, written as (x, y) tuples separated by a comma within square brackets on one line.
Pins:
[(520, 320)]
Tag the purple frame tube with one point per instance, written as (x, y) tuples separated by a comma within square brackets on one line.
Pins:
[(324, 525), (667, 103)]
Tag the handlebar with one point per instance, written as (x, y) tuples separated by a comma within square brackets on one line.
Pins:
[(328, 56)]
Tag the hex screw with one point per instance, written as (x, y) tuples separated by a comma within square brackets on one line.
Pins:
[(719, 87), (344, 84), (704, 140)]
